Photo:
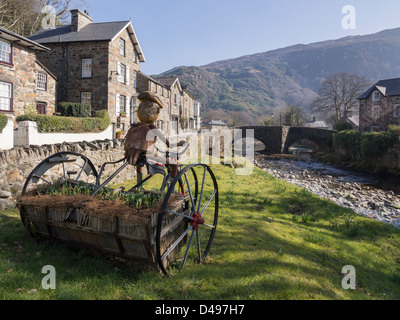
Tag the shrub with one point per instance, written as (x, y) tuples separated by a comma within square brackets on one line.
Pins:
[(343, 126), (3, 122), (69, 124), (77, 110)]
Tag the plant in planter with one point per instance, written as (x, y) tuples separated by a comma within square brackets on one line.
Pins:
[(123, 114), (120, 134)]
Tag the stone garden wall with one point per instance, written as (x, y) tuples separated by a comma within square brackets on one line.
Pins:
[(16, 164)]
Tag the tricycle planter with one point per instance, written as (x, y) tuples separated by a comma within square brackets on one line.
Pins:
[(88, 214)]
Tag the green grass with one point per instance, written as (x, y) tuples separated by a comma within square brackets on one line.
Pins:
[(274, 241)]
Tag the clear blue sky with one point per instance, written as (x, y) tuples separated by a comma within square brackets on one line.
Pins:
[(186, 32)]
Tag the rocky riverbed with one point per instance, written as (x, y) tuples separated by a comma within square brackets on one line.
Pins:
[(357, 192)]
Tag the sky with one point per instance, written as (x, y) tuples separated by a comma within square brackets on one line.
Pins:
[(195, 33)]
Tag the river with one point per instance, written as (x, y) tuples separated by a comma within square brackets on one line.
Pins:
[(373, 196)]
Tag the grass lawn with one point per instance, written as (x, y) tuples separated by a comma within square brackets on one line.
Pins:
[(274, 241)]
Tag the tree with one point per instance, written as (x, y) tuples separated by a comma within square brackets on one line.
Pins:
[(294, 116), (339, 93), (25, 16)]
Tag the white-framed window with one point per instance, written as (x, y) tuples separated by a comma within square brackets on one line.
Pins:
[(135, 79), (162, 91), (134, 56), (396, 112), (6, 101), (155, 88), (5, 51), (121, 73), (87, 68), (41, 83), (376, 96), (122, 47), (167, 93), (122, 104), (86, 97)]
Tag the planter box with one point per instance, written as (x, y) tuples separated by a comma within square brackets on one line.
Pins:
[(128, 236)]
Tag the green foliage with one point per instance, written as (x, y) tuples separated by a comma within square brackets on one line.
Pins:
[(369, 146), (77, 110), (69, 124), (343, 126), (3, 122)]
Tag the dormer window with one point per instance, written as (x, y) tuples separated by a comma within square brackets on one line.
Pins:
[(376, 96), (5, 52)]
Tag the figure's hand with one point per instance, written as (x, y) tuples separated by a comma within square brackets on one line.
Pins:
[(181, 143)]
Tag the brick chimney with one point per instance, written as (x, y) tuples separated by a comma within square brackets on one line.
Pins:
[(79, 20)]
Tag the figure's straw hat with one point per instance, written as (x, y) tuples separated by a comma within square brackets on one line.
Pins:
[(150, 96)]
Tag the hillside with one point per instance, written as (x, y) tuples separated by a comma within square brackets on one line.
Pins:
[(261, 82)]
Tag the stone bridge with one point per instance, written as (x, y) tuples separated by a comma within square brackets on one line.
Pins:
[(277, 140)]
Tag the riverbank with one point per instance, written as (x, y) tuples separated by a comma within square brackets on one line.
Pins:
[(363, 194)]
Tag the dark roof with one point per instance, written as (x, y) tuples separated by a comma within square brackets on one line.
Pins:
[(92, 32), (29, 43), (389, 87), (167, 81), (105, 31)]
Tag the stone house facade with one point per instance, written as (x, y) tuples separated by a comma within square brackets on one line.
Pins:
[(96, 63), (380, 106), (24, 81)]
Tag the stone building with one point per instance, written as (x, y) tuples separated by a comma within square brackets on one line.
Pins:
[(380, 106), (96, 63), (24, 81)]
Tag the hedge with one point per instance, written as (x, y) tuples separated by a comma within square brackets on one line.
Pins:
[(46, 124), (369, 146), (3, 122), (77, 110)]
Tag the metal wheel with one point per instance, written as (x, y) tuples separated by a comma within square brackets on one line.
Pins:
[(61, 167), (189, 215)]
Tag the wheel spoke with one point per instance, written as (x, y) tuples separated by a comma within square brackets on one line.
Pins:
[(208, 202), (207, 225), (176, 243), (198, 245), (180, 214), (187, 249), (190, 193), (202, 188)]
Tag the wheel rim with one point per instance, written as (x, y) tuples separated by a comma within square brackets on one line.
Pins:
[(198, 216), (63, 166)]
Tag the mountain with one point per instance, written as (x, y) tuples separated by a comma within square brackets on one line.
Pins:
[(261, 82)]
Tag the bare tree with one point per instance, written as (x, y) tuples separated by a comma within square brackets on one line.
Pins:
[(25, 16), (338, 94)]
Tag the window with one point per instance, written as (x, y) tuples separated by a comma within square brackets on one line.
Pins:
[(155, 88), (122, 104), (373, 112), (86, 98), (87, 68), (396, 112), (122, 73), (167, 94), (41, 107), (41, 81), (175, 99), (5, 52), (376, 96), (134, 56), (5, 96), (162, 91), (122, 47), (135, 79)]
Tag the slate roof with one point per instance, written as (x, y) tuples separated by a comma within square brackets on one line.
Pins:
[(103, 31), (216, 123), (169, 82), (389, 87), (12, 36), (93, 32)]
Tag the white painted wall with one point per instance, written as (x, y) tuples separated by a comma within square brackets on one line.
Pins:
[(28, 134), (7, 137)]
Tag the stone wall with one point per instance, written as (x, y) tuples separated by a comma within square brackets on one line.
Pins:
[(18, 163)]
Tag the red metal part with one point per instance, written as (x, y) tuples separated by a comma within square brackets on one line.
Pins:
[(197, 221)]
